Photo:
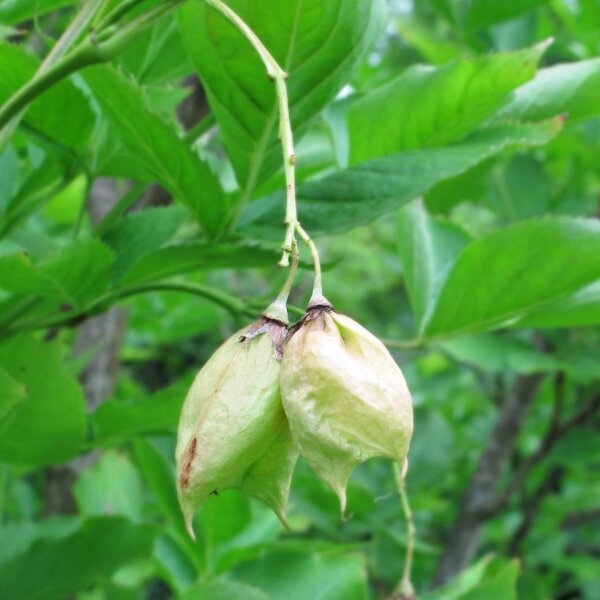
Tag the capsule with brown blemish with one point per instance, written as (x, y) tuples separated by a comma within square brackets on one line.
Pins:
[(233, 432)]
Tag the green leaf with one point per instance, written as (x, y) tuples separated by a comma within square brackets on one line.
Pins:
[(13, 12), (16, 537), (140, 233), (433, 46), (224, 518), (37, 188), (47, 426), (513, 271), (159, 472), (429, 462), (12, 393), (176, 260), (224, 590), (120, 421), (110, 486), (112, 159), (434, 106), (502, 586), (571, 89), (75, 276), (515, 190), (466, 581), (324, 575), (472, 185), (173, 553), (581, 309), (362, 193), (469, 579), (9, 172), (57, 568), (520, 189), (157, 56), (428, 248), (317, 43), (500, 354), (47, 114), (445, 8), (483, 13), (163, 155)]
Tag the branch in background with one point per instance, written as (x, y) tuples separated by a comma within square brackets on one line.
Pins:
[(480, 498), (531, 505), (581, 518), (556, 431), (548, 441), (104, 334), (551, 483)]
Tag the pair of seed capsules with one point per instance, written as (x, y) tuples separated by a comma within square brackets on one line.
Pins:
[(326, 389)]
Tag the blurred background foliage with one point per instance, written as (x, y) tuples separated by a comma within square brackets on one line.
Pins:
[(449, 168)]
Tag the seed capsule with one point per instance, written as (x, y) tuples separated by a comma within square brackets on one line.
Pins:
[(233, 432), (345, 398)]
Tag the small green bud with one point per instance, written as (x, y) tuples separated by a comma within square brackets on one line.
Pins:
[(233, 432), (345, 398)]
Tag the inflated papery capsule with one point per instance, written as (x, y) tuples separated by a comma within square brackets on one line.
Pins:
[(233, 432), (345, 397)]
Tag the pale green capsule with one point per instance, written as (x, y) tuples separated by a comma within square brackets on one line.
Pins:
[(345, 398), (233, 432)]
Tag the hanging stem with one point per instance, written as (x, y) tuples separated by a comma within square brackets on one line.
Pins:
[(278, 308), (284, 294), (279, 76), (405, 590), (289, 162), (317, 285)]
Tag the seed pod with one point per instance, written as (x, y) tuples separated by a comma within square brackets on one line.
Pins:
[(345, 398), (233, 432)]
